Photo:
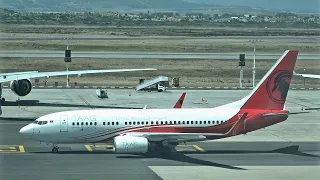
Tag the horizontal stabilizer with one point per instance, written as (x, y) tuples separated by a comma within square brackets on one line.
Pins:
[(315, 76)]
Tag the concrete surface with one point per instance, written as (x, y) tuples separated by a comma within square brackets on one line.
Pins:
[(289, 150)]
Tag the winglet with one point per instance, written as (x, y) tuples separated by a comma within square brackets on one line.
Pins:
[(238, 126), (180, 101)]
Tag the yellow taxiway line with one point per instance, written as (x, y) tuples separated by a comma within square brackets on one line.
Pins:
[(21, 148), (199, 148), (88, 147)]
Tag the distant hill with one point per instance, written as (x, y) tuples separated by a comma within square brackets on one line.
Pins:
[(95, 5), (297, 6), (206, 6)]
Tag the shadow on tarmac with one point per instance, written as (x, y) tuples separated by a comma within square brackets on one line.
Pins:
[(183, 156)]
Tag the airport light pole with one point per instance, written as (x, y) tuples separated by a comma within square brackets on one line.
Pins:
[(67, 63), (254, 41)]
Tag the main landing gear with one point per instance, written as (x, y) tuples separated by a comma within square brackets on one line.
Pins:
[(160, 149), (55, 149)]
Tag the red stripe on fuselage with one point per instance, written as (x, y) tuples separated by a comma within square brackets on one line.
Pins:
[(254, 121)]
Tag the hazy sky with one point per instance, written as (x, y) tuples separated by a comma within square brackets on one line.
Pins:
[(272, 4)]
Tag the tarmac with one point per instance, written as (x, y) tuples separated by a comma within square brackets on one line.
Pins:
[(288, 150), (148, 55)]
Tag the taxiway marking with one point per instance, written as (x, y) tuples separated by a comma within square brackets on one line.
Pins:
[(198, 148), (11, 149), (88, 147)]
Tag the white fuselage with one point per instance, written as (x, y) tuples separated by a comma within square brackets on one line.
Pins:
[(89, 126)]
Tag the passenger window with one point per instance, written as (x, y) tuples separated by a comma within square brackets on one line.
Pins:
[(196, 122), (151, 122), (125, 123), (200, 122), (147, 123), (117, 123), (73, 124), (142, 123), (81, 123), (187, 122), (183, 122), (138, 123), (212, 122), (77, 124), (134, 123), (108, 123), (90, 123), (161, 122), (157, 122), (86, 123), (178, 122), (170, 122), (174, 122), (129, 123), (204, 122), (166, 122), (104, 123), (112, 123)]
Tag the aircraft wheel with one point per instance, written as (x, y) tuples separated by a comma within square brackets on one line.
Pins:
[(55, 150)]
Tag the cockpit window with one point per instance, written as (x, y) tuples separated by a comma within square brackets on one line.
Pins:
[(40, 122)]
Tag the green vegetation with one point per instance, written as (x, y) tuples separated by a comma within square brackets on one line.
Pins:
[(282, 20)]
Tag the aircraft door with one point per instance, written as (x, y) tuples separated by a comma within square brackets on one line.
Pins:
[(64, 123)]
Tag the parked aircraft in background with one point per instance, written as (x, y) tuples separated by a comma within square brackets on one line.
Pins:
[(146, 130), (21, 81), (316, 76)]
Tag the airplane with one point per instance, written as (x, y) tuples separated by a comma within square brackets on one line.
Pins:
[(140, 131), (315, 76), (20, 82)]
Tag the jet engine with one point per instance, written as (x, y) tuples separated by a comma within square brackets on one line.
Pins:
[(21, 87), (130, 144)]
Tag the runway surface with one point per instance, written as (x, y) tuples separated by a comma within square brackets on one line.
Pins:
[(289, 150), (149, 55)]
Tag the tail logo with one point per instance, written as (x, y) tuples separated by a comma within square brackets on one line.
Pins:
[(278, 86)]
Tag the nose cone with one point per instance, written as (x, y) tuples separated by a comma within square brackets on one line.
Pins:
[(26, 130)]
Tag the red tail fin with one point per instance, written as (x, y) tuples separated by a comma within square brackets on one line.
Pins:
[(271, 91), (180, 101)]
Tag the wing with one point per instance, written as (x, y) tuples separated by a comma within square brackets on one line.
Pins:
[(17, 73), (188, 137), (308, 75), (26, 75)]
